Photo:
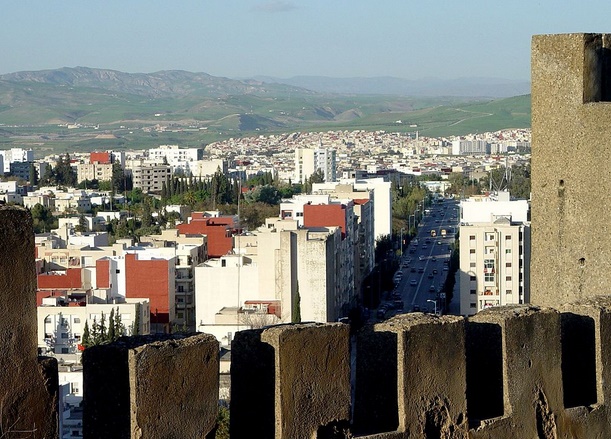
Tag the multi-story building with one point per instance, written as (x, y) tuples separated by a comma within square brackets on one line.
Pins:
[(279, 273), (94, 171), (494, 253), (461, 147), (15, 155), (151, 177), (61, 322), (308, 161), (180, 159), (381, 197), (207, 168), (218, 229)]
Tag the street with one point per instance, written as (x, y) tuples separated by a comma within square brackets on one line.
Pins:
[(425, 262)]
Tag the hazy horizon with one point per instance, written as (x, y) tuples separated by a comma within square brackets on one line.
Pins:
[(289, 38)]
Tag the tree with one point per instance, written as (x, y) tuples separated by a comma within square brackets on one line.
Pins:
[(118, 178), (135, 329), (86, 338), (33, 173), (296, 311), (111, 326), (82, 225), (42, 218)]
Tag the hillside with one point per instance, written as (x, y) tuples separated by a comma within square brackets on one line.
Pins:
[(84, 108)]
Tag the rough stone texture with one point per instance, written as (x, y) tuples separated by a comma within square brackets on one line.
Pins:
[(571, 134), (429, 400), (151, 387), (28, 384), (531, 373), (311, 380)]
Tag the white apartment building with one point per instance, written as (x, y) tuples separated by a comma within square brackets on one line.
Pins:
[(180, 159), (382, 200), (308, 161), (494, 254), (94, 171), (60, 326), (277, 269), (477, 147), (15, 155), (207, 168)]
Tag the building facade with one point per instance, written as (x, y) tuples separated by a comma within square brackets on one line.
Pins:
[(494, 256)]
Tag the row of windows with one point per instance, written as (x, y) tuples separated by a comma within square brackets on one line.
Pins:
[(473, 291), (489, 277), (489, 237)]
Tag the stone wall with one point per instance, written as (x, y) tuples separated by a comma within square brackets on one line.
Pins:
[(28, 384), (571, 133)]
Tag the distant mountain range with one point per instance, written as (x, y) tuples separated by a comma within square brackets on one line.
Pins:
[(168, 83)]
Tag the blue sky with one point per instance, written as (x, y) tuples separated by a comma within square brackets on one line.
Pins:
[(283, 38)]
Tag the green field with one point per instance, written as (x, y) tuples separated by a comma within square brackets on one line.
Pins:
[(35, 115)]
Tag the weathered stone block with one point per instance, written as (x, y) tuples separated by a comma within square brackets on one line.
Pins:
[(531, 372), (586, 352), (430, 375), (307, 367), (28, 385), (161, 386)]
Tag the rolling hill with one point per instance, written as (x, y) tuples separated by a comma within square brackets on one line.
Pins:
[(69, 108)]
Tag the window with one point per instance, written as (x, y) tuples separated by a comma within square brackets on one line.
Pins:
[(488, 270), (472, 251), (65, 351), (472, 264), (507, 237), (507, 251), (77, 320), (489, 236), (64, 335), (508, 264), (48, 319), (180, 315), (507, 291), (472, 238), (472, 305), (472, 278), (508, 278), (472, 292)]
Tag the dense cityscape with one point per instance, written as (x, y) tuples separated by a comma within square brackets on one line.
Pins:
[(336, 226)]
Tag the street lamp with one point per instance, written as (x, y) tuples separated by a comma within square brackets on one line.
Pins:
[(401, 237), (434, 302)]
